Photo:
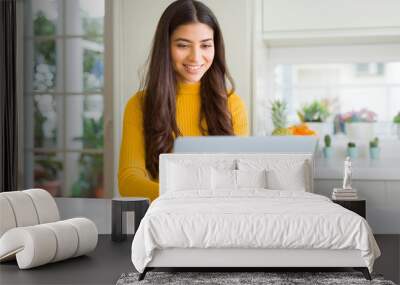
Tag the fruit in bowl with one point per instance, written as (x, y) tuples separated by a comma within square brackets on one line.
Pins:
[(302, 130), (282, 132)]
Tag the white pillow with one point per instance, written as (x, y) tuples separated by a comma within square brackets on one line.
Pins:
[(282, 174), (251, 178), (223, 179), (293, 180), (181, 177), (236, 179)]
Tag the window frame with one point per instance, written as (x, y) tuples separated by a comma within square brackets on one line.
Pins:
[(107, 92)]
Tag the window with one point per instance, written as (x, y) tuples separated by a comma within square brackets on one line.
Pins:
[(349, 78), (64, 97), (346, 86)]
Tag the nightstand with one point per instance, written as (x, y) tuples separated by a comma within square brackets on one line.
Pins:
[(138, 205), (357, 206)]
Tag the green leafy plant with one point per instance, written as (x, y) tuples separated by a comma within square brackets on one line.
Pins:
[(328, 141), (90, 180), (317, 111), (374, 143), (92, 27), (351, 144), (396, 118), (46, 173), (39, 120), (47, 169), (93, 133), (42, 26)]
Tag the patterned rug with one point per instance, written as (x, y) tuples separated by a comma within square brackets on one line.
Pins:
[(243, 278)]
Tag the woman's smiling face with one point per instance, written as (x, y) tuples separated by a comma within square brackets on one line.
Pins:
[(192, 51)]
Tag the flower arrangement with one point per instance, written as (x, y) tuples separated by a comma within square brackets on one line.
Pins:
[(364, 116), (317, 111), (357, 125)]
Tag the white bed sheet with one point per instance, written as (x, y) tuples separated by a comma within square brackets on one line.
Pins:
[(251, 218)]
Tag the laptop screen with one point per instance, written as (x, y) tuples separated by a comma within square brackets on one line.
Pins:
[(229, 144)]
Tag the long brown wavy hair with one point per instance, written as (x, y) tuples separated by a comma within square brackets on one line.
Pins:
[(160, 84)]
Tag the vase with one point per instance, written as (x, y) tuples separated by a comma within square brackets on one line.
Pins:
[(352, 152), (374, 152), (328, 152), (359, 131)]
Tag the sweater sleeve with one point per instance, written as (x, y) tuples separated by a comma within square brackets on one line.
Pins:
[(239, 115), (133, 178)]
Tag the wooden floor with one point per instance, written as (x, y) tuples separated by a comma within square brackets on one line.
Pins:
[(110, 260)]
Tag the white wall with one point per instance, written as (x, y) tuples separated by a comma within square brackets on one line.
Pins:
[(307, 31), (134, 26), (333, 21), (288, 15)]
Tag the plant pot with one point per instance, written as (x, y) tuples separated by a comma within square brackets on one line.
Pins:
[(52, 186), (352, 152), (398, 131), (321, 129), (328, 152), (374, 152), (360, 131), (99, 192)]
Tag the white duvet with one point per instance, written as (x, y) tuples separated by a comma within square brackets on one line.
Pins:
[(250, 219)]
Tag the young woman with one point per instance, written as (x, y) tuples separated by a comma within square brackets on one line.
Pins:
[(185, 93)]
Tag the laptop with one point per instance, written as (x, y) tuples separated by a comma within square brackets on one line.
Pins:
[(255, 144)]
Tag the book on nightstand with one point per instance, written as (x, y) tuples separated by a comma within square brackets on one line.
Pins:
[(344, 194)]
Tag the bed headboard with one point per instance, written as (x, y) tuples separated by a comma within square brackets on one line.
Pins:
[(232, 160)]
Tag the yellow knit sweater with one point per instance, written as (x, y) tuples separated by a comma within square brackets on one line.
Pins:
[(133, 178)]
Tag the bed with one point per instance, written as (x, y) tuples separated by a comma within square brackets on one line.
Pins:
[(247, 210)]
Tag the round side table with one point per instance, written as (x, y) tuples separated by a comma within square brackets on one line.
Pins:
[(139, 205)]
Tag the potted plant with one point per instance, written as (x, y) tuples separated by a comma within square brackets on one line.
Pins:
[(396, 121), (352, 150), (315, 115), (359, 124), (279, 118), (46, 174), (327, 150), (90, 180), (374, 148)]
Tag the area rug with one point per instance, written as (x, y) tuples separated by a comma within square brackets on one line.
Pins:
[(243, 278)]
